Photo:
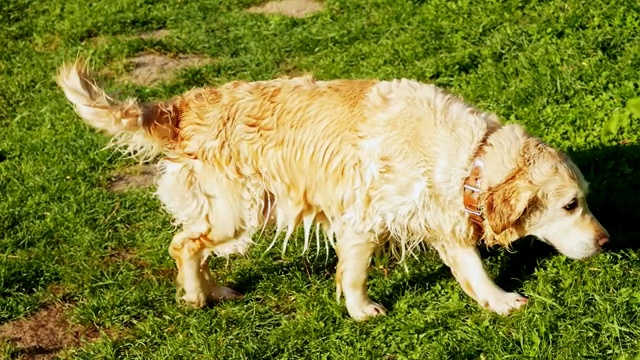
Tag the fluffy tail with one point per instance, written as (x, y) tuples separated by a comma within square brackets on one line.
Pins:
[(139, 130)]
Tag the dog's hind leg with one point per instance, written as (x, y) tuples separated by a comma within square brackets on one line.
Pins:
[(190, 249), (354, 256), (216, 218)]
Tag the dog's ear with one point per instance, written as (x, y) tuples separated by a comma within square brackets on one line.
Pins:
[(506, 203)]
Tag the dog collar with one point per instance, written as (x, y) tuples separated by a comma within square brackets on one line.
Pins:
[(472, 194), (472, 185)]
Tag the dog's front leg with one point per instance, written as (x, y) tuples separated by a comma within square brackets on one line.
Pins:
[(354, 256), (466, 265)]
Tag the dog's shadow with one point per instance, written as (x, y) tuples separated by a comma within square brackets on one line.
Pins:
[(614, 191), (519, 262), (314, 267)]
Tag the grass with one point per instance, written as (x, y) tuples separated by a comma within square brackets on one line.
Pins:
[(563, 68)]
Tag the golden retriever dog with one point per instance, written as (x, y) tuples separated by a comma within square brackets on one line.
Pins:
[(361, 163)]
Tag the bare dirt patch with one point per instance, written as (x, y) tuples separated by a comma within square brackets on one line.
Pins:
[(45, 334), (118, 256), (155, 34), (150, 68), (293, 8), (138, 176)]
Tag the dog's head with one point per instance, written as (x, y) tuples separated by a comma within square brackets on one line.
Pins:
[(545, 196)]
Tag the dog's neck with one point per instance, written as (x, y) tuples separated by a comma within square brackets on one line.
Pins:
[(496, 156)]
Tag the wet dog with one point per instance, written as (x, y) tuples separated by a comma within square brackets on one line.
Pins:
[(363, 162)]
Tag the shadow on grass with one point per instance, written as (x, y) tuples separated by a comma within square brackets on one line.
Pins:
[(418, 280), (249, 277), (614, 194)]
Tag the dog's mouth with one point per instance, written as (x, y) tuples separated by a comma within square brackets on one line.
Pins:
[(582, 252), (544, 240)]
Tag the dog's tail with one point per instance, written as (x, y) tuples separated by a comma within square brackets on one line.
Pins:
[(140, 130)]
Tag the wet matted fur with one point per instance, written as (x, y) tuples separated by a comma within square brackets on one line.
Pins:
[(359, 162)]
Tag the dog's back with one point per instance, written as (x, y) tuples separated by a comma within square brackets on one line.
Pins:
[(380, 156)]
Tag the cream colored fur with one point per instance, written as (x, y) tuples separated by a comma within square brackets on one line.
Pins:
[(370, 162)]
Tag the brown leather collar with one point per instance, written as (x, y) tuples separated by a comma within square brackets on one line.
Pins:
[(472, 194), (472, 188)]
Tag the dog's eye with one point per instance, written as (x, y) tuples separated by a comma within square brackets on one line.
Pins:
[(571, 205)]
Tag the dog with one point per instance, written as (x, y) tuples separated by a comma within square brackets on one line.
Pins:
[(362, 163)]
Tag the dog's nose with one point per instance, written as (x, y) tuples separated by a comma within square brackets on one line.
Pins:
[(603, 240)]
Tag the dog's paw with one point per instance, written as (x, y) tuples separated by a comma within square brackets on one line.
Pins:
[(215, 293), (195, 299), (504, 303), (365, 310), (219, 293)]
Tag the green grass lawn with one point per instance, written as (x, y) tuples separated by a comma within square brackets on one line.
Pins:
[(564, 68)]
